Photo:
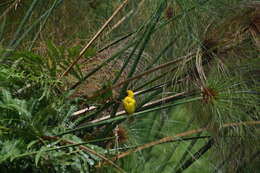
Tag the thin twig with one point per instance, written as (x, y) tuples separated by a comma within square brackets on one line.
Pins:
[(179, 140), (81, 147), (125, 17), (124, 117), (150, 104), (97, 154), (94, 38), (187, 133)]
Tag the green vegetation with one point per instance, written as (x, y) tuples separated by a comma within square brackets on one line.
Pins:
[(65, 67)]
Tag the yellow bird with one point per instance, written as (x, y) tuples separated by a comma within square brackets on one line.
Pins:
[(129, 102)]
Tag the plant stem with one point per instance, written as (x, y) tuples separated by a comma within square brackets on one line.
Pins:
[(187, 133), (196, 156)]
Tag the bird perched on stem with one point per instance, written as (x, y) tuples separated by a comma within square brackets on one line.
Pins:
[(129, 102)]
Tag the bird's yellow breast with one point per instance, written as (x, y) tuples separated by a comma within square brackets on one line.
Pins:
[(129, 104)]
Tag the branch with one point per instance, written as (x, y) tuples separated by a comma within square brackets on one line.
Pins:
[(94, 38), (187, 133), (125, 17), (150, 104), (96, 154), (73, 144), (146, 106)]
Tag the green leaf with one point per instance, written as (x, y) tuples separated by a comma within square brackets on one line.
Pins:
[(31, 144), (72, 138), (9, 149), (39, 154)]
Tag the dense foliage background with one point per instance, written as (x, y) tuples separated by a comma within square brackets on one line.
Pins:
[(65, 66)]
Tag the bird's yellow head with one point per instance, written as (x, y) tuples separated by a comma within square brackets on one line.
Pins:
[(130, 93)]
